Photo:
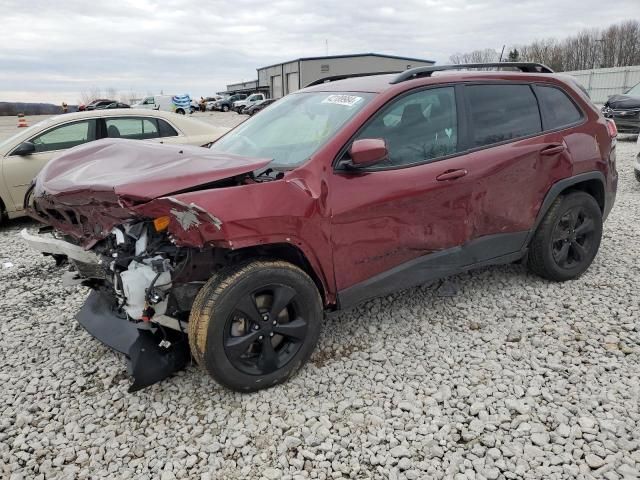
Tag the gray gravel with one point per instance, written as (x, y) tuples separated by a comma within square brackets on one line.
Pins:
[(511, 377)]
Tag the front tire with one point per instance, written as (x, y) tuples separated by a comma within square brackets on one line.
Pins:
[(225, 108), (567, 240), (253, 325), (180, 111), (637, 172)]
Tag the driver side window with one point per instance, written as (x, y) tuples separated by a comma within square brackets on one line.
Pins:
[(65, 136), (418, 127)]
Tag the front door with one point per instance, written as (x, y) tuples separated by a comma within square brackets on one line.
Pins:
[(415, 204)]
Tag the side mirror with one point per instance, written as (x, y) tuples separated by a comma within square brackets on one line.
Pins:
[(367, 152), (25, 148)]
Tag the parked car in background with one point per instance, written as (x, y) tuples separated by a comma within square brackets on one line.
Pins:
[(225, 104), (23, 155), (96, 104), (211, 100), (256, 107), (625, 110), (111, 106), (180, 104), (252, 99), (390, 181)]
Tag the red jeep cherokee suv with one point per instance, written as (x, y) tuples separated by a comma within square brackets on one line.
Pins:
[(335, 194)]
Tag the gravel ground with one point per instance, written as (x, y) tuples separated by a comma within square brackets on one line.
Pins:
[(512, 377)]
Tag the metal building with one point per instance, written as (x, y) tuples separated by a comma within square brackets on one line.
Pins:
[(283, 78), (244, 87)]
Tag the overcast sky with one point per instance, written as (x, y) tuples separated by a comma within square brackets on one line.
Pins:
[(52, 50)]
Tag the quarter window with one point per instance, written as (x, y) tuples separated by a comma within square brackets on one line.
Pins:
[(417, 128), (557, 108), (166, 130), (132, 128), (499, 113), (65, 136)]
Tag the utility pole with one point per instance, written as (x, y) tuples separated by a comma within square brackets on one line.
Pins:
[(501, 53)]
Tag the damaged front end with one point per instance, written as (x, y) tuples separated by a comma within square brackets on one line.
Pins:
[(138, 248), (143, 288)]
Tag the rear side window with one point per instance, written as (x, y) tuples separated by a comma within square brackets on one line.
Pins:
[(166, 130), (131, 128), (499, 113), (557, 108)]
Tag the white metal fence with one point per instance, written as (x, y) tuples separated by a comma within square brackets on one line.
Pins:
[(604, 82)]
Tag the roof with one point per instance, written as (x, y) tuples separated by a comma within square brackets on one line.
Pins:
[(354, 55)]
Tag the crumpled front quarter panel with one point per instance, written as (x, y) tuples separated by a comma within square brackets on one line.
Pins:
[(291, 210)]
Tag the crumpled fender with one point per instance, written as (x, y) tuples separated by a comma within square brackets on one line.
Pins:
[(287, 211)]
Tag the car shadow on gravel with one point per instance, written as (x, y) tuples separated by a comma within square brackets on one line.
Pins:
[(17, 224)]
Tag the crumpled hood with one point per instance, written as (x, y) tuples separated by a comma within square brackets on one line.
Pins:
[(623, 101), (138, 171)]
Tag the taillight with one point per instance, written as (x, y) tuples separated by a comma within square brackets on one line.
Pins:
[(611, 126)]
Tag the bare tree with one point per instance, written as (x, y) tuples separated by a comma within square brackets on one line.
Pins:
[(615, 46), (477, 56), (111, 93), (88, 96)]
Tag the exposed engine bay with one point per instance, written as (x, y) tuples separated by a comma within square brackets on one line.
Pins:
[(141, 280)]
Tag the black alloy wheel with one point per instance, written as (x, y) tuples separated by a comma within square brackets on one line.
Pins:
[(573, 237), (254, 324), (568, 238), (265, 330)]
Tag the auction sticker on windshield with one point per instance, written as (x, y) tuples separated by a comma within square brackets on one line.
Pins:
[(346, 100)]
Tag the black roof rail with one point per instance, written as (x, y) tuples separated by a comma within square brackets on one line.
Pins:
[(335, 78), (525, 67)]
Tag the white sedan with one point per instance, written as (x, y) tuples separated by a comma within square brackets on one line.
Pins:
[(24, 154)]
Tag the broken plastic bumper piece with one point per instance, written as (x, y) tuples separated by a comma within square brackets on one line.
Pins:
[(151, 356)]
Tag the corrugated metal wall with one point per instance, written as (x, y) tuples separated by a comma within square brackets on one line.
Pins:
[(604, 82)]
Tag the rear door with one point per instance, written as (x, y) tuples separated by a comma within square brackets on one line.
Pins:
[(19, 170), (511, 161)]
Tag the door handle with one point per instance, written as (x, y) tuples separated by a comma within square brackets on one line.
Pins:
[(553, 149), (451, 175)]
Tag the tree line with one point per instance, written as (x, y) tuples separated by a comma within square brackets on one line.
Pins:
[(13, 108), (615, 46)]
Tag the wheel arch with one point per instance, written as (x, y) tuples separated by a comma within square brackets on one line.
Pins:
[(291, 254), (592, 183)]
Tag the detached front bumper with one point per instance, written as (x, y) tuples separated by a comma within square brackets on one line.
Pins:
[(150, 358), (53, 246), (153, 352)]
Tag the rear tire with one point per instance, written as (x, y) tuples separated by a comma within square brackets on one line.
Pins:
[(180, 111), (637, 172), (253, 325), (567, 240), (225, 108)]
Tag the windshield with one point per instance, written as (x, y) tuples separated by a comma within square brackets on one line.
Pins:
[(635, 90), (293, 128)]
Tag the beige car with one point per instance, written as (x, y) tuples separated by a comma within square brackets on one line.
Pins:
[(24, 154)]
